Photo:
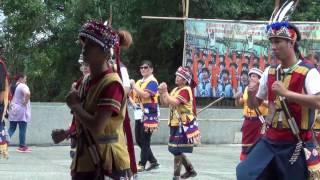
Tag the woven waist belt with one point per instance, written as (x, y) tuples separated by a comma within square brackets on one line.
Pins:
[(108, 139)]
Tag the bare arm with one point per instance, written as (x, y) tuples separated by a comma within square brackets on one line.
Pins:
[(163, 100), (239, 102), (169, 100), (94, 123), (131, 101), (253, 101), (141, 92), (239, 99), (312, 101), (165, 97), (26, 98)]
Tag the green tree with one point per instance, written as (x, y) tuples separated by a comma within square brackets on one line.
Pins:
[(39, 36)]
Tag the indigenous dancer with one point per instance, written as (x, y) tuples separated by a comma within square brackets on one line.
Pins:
[(99, 114), (145, 95), (184, 132), (252, 125), (287, 151), (316, 126), (59, 135), (4, 94)]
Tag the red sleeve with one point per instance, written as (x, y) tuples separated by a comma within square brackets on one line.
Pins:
[(111, 97), (183, 96), (78, 82), (72, 128)]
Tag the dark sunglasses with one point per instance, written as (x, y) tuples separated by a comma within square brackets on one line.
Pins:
[(144, 67)]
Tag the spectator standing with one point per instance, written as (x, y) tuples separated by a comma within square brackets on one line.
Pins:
[(20, 111)]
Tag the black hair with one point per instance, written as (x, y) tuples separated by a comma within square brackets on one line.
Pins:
[(292, 26), (225, 72), (206, 70), (201, 62), (223, 57), (211, 62), (147, 62), (296, 44), (13, 85), (256, 65), (317, 57), (223, 63), (189, 61), (234, 64), (19, 75), (245, 65), (244, 73)]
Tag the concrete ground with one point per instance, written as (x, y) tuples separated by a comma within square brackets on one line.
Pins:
[(212, 162)]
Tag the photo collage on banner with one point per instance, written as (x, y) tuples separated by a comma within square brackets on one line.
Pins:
[(220, 53)]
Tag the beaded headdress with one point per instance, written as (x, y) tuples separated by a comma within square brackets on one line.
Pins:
[(279, 25), (101, 34)]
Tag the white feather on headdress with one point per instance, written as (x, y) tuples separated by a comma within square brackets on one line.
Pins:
[(285, 11)]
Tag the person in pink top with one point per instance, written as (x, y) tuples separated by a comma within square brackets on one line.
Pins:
[(19, 111)]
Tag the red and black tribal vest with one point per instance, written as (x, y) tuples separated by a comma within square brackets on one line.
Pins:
[(294, 80)]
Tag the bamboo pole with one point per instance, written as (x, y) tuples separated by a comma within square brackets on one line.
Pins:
[(209, 105), (187, 8)]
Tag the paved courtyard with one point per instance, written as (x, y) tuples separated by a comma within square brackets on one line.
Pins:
[(212, 162)]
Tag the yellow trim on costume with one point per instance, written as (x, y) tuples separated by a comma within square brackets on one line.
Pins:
[(185, 110), (109, 102), (305, 118), (115, 155), (180, 145), (194, 134), (143, 85), (251, 112), (247, 145), (302, 70), (315, 167)]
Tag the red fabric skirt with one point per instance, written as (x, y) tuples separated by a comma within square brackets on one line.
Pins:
[(251, 132)]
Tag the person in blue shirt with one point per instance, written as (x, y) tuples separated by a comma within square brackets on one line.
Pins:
[(204, 88)]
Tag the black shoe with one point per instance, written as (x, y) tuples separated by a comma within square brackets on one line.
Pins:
[(188, 174), (154, 165)]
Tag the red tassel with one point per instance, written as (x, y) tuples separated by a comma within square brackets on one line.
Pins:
[(130, 146), (126, 122)]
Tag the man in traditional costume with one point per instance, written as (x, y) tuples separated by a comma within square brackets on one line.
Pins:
[(287, 151)]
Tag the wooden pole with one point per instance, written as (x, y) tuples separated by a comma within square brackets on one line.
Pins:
[(185, 4), (110, 15), (187, 8), (184, 8), (209, 105)]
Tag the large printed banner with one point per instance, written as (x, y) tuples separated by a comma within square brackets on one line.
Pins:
[(220, 53)]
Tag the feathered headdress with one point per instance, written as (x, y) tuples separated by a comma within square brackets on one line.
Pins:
[(279, 25)]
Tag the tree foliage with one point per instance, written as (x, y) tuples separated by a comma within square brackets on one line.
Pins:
[(39, 36)]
